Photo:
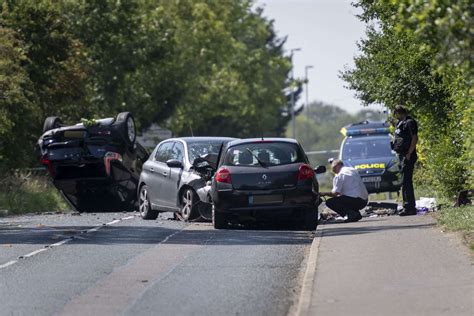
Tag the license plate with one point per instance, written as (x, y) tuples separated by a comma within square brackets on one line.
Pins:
[(372, 179), (74, 134), (265, 199)]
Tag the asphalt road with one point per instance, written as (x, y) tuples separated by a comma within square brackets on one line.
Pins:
[(117, 263)]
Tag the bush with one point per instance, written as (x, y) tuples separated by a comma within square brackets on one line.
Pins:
[(24, 193)]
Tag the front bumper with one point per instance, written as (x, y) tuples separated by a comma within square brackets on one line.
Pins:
[(387, 181)]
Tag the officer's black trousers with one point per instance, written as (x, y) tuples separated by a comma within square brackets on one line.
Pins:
[(407, 167), (346, 205)]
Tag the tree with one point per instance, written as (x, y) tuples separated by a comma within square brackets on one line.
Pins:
[(406, 60), (17, 104)]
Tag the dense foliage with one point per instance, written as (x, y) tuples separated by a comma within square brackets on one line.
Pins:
[(211, 67), (419, 54)]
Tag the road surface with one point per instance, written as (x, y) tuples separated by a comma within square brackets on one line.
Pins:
[(136, 267), (117, 263)]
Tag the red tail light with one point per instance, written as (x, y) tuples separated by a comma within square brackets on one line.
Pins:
[(223, 176), (45, 161), (305, 172)]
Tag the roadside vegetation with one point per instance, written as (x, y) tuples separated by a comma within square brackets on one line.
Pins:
[(24, 193), (419, 54)]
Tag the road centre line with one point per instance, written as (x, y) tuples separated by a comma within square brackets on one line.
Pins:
[(9, 263), (62, 242), (31, 254)]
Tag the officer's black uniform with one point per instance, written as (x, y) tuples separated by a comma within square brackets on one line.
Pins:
[(404, 133)]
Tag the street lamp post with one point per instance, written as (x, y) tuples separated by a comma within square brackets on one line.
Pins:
[(306, 68), (293, 122)]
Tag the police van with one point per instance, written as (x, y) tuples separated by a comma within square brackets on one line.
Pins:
[(366, 147)]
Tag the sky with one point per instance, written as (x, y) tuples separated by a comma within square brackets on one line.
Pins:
[(327, 32)]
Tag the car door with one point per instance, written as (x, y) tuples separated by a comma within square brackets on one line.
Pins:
[(172, 182), (159, 171)]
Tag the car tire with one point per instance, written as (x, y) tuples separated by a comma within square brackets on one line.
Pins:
[(127, 127), (310, 219), (51, 122), (144, 205), (219, 219), (189, 207)]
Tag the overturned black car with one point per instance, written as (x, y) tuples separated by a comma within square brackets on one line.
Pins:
[(96, 164)]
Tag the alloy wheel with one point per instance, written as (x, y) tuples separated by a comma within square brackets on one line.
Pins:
[(144, 205)]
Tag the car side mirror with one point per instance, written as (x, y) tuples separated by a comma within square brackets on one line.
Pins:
[(174, 163), (320, 169)]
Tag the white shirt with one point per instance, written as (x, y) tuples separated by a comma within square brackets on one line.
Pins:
[(348, 182)]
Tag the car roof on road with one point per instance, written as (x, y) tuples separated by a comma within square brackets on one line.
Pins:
[(260, 140)]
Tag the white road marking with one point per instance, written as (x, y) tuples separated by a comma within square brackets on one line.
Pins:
[(62, 242), (9, 263), (31, 254), (113, 222), (304, 301)]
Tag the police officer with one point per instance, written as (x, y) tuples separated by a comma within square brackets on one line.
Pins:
[(404, 143)]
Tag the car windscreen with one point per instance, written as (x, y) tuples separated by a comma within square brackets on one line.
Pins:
[(197, 149), (366, 148), (269, 153)]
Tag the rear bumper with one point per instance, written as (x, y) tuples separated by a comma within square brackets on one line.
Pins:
[(241, 201)]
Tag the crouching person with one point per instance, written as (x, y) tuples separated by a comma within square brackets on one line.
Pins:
[(348, 195)]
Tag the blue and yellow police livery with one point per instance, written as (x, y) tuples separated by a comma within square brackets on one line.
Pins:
[(366, 147)]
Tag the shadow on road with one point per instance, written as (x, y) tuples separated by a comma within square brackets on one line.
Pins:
[(113, 235), (344, 229)]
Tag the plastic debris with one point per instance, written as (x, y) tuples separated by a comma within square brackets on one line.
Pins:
[(426, 203)]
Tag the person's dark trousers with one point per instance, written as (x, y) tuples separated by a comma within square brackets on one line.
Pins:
[(406, 172), (346, 205)]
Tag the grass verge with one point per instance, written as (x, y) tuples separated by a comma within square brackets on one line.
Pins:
[(458, 219), (450, 218), (22, 193)]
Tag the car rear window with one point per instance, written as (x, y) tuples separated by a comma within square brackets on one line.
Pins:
[(366, 148), (270, 153)]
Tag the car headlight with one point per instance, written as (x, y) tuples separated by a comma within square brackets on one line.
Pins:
[(395, 166)]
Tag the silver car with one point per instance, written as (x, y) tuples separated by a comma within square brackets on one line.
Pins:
[(176, 177)]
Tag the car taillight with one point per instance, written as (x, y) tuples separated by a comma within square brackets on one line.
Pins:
[(45, 161), (108, 157), (223, 176), (305, 172)]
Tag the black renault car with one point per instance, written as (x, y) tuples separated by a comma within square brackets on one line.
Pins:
[(176, 177), (268, 177), (366, 147), (95, 164)]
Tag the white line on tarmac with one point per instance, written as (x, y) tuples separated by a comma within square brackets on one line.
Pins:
[(31, 254), (308, 280), (9, 263), (62, 242)]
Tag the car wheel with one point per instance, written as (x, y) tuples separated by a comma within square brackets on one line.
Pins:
[(189, 208), (144, 205), (128, 127), (51, 122), (311, 219), (219, 219)]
